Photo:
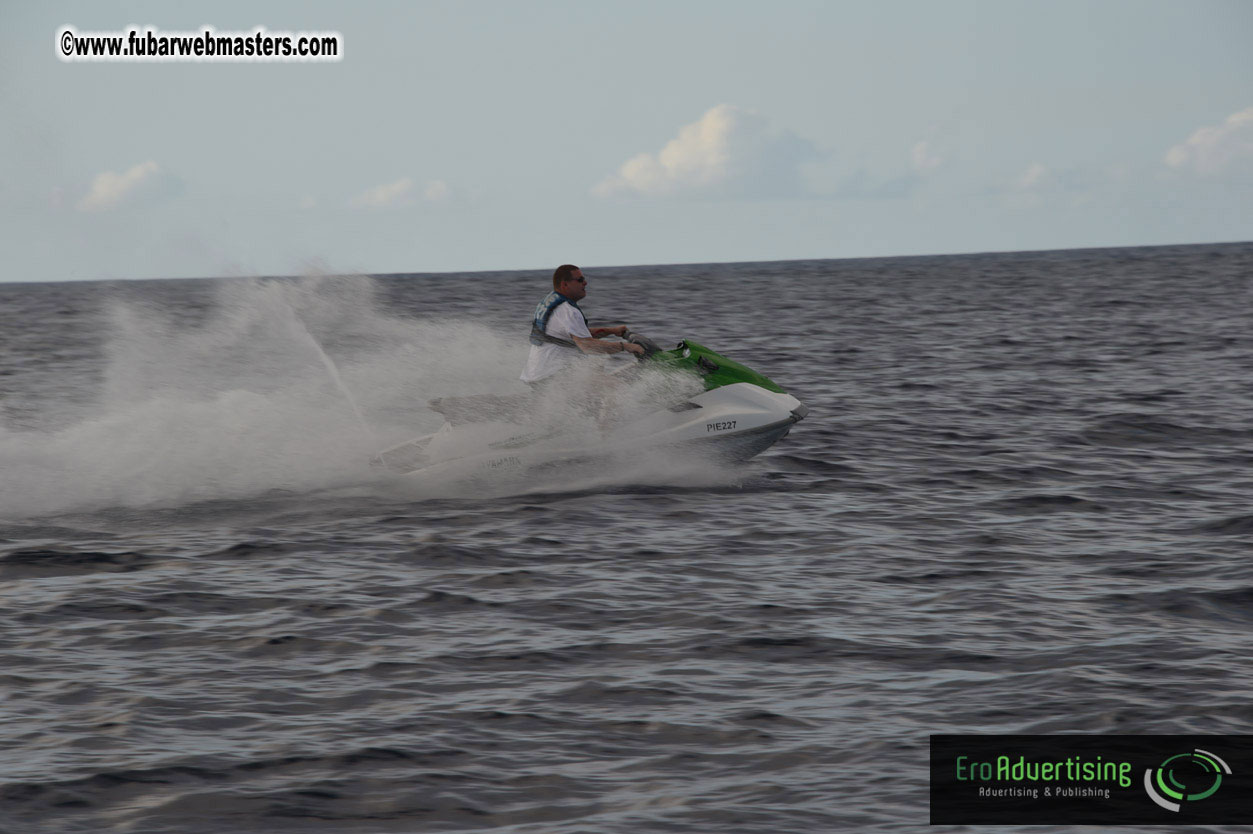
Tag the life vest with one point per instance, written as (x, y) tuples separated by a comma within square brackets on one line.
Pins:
[(543, 312)]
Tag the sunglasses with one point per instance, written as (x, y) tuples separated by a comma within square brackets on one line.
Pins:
[(577, 280)]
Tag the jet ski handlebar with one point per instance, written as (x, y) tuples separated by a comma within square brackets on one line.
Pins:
[(650, 347)]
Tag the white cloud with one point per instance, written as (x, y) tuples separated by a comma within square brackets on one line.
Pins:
[(866, 184), (400, 194), (110, 190), (1039, 182), (396, 194), (1039, 179), (437, 190), (924, 158), (1036, 176), (728, 152), (1210, 150)]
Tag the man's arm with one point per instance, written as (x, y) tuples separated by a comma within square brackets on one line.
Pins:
[(596, 346), (572, 323)]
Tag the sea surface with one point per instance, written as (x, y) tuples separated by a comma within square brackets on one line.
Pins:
[(1020, 503)]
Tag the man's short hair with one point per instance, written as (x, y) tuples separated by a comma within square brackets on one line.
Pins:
[(562, 274)]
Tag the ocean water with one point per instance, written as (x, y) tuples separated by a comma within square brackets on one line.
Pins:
[(1020, 503)]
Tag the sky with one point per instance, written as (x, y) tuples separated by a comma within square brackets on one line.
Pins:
[(465, 136)]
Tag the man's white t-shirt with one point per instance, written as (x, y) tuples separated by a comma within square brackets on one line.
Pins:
[(547, 359)]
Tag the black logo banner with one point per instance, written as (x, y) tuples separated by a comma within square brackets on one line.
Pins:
[(1091, 780)]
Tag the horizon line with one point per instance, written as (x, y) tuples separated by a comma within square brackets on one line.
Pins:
[(392, 274)]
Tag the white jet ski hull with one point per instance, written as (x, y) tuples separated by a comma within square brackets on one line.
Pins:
[(729, 423)]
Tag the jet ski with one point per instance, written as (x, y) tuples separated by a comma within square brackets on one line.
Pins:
[(723, 410)]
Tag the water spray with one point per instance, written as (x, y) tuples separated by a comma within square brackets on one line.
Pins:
[(332, 370)]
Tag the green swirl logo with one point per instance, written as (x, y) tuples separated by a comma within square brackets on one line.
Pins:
[(1187, 777)]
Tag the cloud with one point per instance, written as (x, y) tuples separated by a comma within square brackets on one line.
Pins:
[(1032, 187), (1040, 185), (437, 191), (400, 194), (396, 194), (863, 184), (924, 158), (1211, 150), (728, 152), (1036, 176), (110, 190)]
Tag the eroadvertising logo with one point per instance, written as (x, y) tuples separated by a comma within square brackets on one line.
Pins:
[(1091, 779), (1195, 776)]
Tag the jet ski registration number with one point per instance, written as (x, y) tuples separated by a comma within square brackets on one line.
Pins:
[(730, 424)]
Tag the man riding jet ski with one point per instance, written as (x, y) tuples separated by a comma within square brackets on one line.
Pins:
[(559, 331), (706, 402)]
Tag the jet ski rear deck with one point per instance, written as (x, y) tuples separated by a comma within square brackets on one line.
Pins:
[(740, 414)]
